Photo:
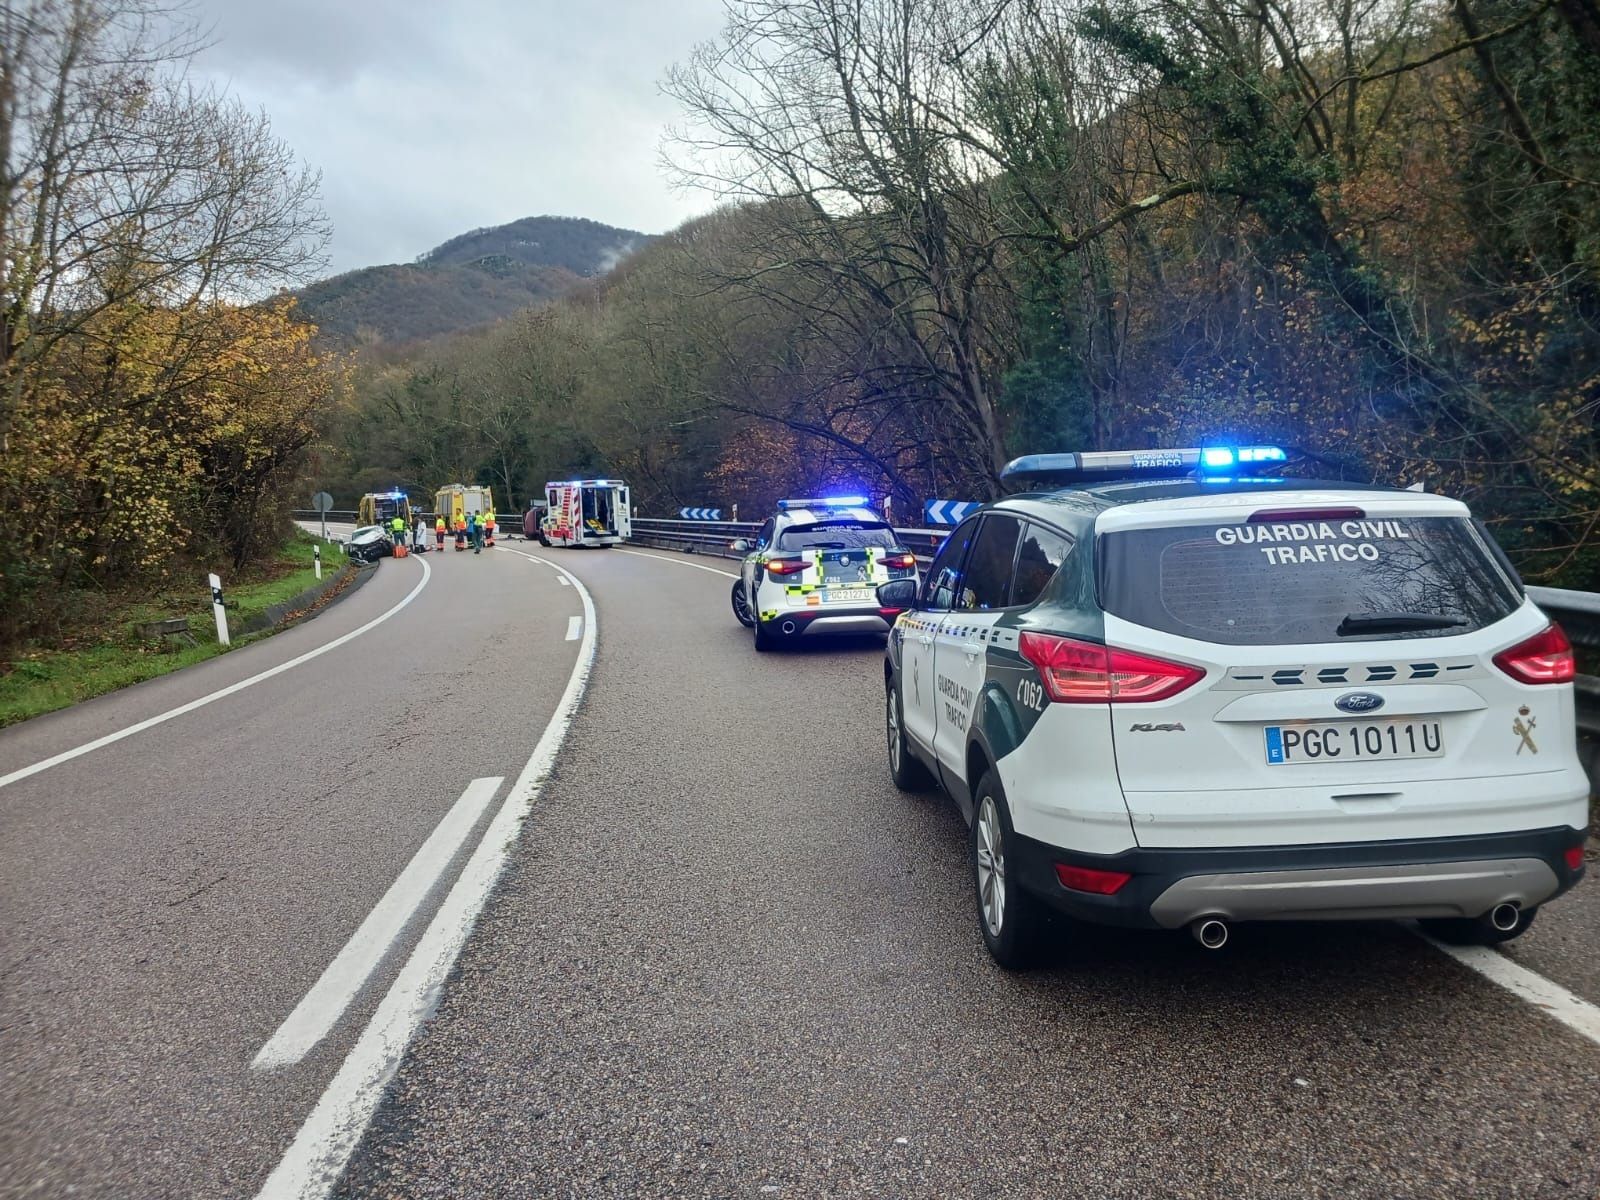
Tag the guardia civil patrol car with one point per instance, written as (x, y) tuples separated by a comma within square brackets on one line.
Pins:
[(813, 568), (1168, 692)]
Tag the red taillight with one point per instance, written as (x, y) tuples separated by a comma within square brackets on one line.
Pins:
[(1546, 657), (900, 561), (786, 566), (890, 612), (1087, 879), (1270, 515), (1086, 673), (1574, 858)]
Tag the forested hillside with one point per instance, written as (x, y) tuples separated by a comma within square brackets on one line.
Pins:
[(470, 281), (962, 229)]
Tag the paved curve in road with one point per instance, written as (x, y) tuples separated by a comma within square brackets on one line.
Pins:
[(169, 898), (727, 958), (731, 960)]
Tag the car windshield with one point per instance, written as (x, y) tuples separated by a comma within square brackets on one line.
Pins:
[(1306, 580), (837, 535)]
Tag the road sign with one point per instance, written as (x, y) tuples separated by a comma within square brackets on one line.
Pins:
[(949, 512), (322, 502), (700, 514)]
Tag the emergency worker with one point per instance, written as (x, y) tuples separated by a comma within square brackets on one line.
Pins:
[(475, 532), (438, 532), (488, 527), (461, 533), (397, 530)]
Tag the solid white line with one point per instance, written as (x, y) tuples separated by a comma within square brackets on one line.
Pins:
[(574, 628), (149, 723), (320, 1150), (1576, 1013), (348, 973), (679, 561)]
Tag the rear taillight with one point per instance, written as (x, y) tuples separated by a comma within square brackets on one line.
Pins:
[(900, 561), (786, 566), (1546, 657), (1087, 673), (1088, 879), (1574, 857)]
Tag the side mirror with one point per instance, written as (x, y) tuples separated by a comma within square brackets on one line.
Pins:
[(742, 546), (898, 593)]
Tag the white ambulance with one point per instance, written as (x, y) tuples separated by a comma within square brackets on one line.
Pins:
[(587, 512)]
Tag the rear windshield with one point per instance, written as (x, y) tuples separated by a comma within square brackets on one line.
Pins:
[(1299, 581), (836, 535)]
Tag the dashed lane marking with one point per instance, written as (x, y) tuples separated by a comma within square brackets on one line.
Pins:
[(312, 1165), (348, 973), (574, 628), (56, 760)]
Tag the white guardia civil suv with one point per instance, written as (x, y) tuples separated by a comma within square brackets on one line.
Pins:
[(1167, 692)]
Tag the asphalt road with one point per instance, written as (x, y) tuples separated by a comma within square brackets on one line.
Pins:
[(169, 898), (726, 958)]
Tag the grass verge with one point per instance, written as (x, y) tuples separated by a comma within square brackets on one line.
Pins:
[(108, 653)]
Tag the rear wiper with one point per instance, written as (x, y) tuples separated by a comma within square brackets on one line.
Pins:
[(1394, 622), (829, 546)]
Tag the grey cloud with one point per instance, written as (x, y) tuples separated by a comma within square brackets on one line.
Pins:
[(427, 120)]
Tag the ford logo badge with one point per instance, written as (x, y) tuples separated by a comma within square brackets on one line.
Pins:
[(1358, 702)]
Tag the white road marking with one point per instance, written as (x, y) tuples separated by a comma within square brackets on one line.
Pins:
[(574, 628), (328, 998), (150, 723), (562, 580), (323, 1145), (679, 561), (1576, 1013)]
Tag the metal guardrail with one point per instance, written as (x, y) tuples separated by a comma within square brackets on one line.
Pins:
[(713, 537)]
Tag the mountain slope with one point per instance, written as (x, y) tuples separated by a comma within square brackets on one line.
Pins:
[(471, 280)]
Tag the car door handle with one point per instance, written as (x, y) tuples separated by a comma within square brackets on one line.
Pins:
[(925, 638), (973, 649)]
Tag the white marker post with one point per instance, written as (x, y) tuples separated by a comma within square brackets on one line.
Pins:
[(218, 611), (316, 553)]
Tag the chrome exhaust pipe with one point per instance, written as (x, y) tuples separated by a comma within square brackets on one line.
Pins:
[(787, 627), (1210, 932), (1504, 917)]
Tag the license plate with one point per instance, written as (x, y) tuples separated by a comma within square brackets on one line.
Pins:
[(848, 596), (1353, 741)]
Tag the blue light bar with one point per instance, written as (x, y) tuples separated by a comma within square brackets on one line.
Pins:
[(1106, 465), (823, 502)]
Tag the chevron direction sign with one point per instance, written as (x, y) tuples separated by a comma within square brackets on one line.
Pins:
[(700, 514), (949, 512)]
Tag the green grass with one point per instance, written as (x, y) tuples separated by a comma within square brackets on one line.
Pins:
[(108, 653)]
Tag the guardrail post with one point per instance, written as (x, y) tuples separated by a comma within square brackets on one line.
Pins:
[(217, 610)]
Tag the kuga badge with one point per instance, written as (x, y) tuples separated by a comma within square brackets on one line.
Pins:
[(1359, 702)]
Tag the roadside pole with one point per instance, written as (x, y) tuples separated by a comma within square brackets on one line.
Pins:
[(218, 611), (316, 553)]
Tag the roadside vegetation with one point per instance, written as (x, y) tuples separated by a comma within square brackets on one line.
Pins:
[(151, 417), (105, 651), (956, 230)]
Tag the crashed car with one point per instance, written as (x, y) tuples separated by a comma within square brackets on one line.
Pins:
[(368, 544)]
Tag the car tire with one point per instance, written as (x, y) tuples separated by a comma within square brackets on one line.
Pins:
[(905, 768), (1009, 918), (741, 605), (1467, 931)]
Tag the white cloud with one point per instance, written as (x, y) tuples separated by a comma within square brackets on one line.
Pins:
[(427, 120)]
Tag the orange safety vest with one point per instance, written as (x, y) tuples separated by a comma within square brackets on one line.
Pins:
[(438, 525)]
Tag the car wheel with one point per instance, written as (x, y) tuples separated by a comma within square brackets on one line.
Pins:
[(907, 771), (741, 605), (1480, 931), (1008, 917)]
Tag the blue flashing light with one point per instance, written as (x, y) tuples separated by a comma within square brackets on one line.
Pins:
[(1217, 457), (823, 502), (844, 501)]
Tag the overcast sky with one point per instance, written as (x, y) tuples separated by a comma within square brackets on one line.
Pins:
[(428, 119)]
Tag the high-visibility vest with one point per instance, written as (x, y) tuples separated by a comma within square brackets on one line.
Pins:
[(438, 525), (398, 525), (488, 519)]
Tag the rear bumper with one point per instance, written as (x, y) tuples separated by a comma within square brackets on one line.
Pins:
[(818, 622), (1425, 877)]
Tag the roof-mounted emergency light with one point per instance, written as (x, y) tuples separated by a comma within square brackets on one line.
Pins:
[(1105, 465), (823, 502)]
